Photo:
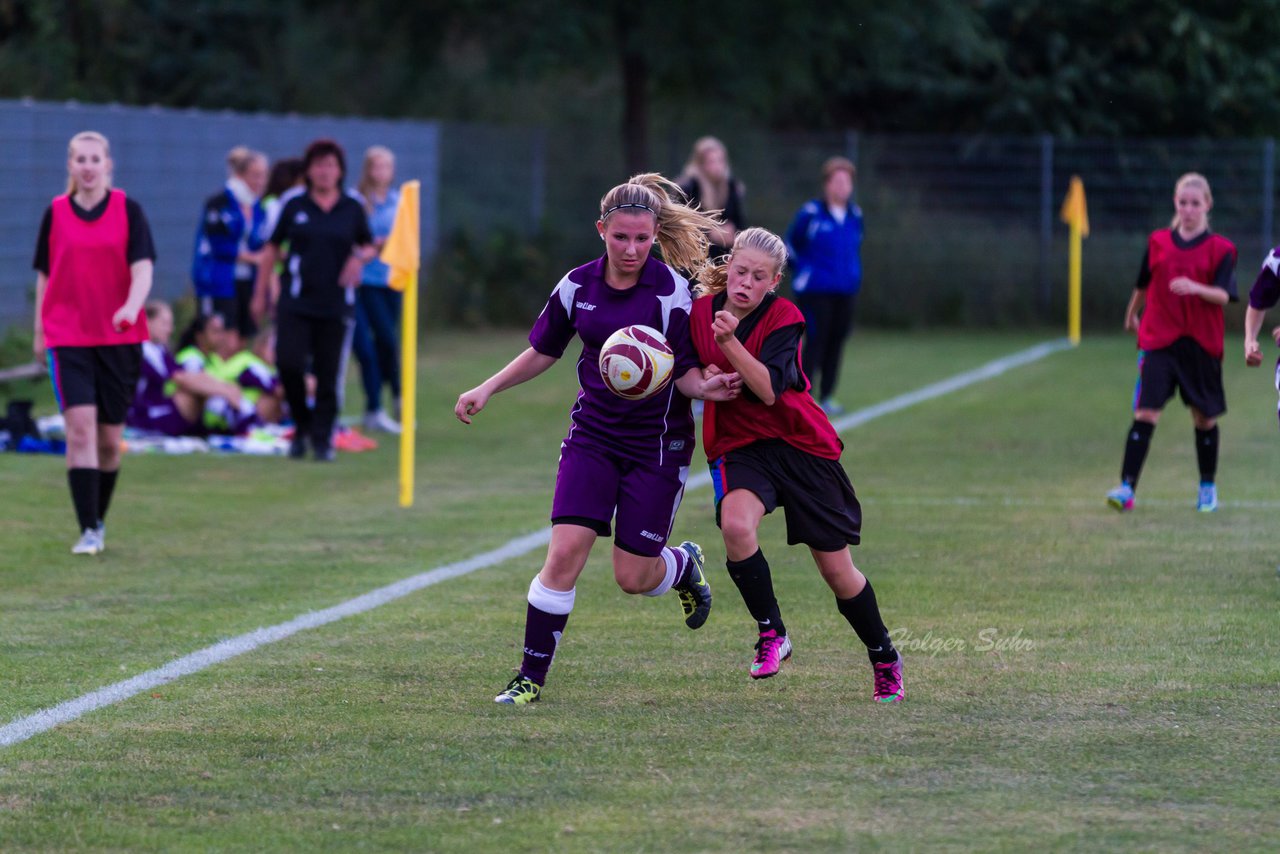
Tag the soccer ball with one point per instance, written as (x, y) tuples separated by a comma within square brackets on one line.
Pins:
[(636, 362)]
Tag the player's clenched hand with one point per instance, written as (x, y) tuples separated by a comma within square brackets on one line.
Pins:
[(1252, 354), (1275, 335), (1182, 286), (469, 403), (723, 326), (732, 380), (124, 318), (719, 386)]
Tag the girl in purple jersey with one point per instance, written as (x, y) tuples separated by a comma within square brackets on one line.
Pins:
[(1264, 295), (169, 398), (622, 459)]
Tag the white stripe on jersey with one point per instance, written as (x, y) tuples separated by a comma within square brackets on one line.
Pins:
[(566, 289), (154, 354), (1272, 263), (679, 299)]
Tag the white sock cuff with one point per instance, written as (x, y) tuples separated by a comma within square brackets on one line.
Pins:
[(552, 601), (669, 558)]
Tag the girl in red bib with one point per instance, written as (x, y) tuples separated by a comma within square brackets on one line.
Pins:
[(94, 260), (773, 446), (1187, 276)]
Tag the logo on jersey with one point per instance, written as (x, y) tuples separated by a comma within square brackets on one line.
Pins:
[(585, 306), (676, 445), (300, 218)]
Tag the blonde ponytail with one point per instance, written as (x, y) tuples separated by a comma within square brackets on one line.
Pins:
[(681, 230), (714, 277)]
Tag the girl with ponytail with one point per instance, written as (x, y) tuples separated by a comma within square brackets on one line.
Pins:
[(774, 446), (623, 460)]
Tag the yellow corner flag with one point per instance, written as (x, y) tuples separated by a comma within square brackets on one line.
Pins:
[(401, 251), (1075, 213), (403, 255)]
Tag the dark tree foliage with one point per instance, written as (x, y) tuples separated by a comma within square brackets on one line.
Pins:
[(1084, 68)]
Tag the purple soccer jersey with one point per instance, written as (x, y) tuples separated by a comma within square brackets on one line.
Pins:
[(153, 409), (656, 431), (1265, 292)]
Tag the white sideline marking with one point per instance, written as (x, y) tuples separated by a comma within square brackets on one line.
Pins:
[(895, 404), (45, 719), (1036, 501), (24, 728)]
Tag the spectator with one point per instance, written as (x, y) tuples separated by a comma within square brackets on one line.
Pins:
[(825, 242), (169, 398), (201, 342), (260, 393), (710, 185), (375, 342), (229, 243), (288, 179), (323, 236), (94, 261)]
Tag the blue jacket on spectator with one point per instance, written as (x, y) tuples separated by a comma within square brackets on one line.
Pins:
[(222, 229), (826, 254)]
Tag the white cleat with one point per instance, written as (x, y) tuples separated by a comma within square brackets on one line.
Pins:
[(381, 422), (90, 542)]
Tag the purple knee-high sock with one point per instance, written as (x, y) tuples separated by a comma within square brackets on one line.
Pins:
[(544, 624)]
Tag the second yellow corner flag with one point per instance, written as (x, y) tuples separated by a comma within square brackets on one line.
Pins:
[(1075, 213)]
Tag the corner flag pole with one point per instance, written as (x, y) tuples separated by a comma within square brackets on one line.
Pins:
[(408, 389), (402, 254), (1075, 213)]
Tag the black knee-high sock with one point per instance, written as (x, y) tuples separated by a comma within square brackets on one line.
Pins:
[(1207, 453), (756, 586), (84, 485), (863, 614), (1135, 451), (106, 486)]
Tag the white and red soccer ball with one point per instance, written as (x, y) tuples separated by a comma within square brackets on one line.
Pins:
[(636, 362)]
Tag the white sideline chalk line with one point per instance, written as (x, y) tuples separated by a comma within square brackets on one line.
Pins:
[(1036, 501), (31, 725)]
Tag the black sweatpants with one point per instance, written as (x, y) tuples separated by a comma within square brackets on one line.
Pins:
[(828, 319), (315, 343)]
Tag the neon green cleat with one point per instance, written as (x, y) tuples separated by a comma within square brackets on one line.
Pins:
[(520, 691), (695, 591)]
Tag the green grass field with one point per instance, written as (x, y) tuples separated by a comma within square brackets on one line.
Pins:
[(1076, 679)]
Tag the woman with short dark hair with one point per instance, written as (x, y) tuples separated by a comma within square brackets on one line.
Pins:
[(328, 239)]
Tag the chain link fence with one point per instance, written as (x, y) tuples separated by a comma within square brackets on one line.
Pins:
[(960, 230)]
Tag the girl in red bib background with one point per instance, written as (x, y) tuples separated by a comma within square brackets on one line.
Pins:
[(773, 446), (94, 260), (1187, 276)]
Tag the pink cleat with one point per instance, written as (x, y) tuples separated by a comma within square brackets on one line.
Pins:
[(888, 681), (771, 651)]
